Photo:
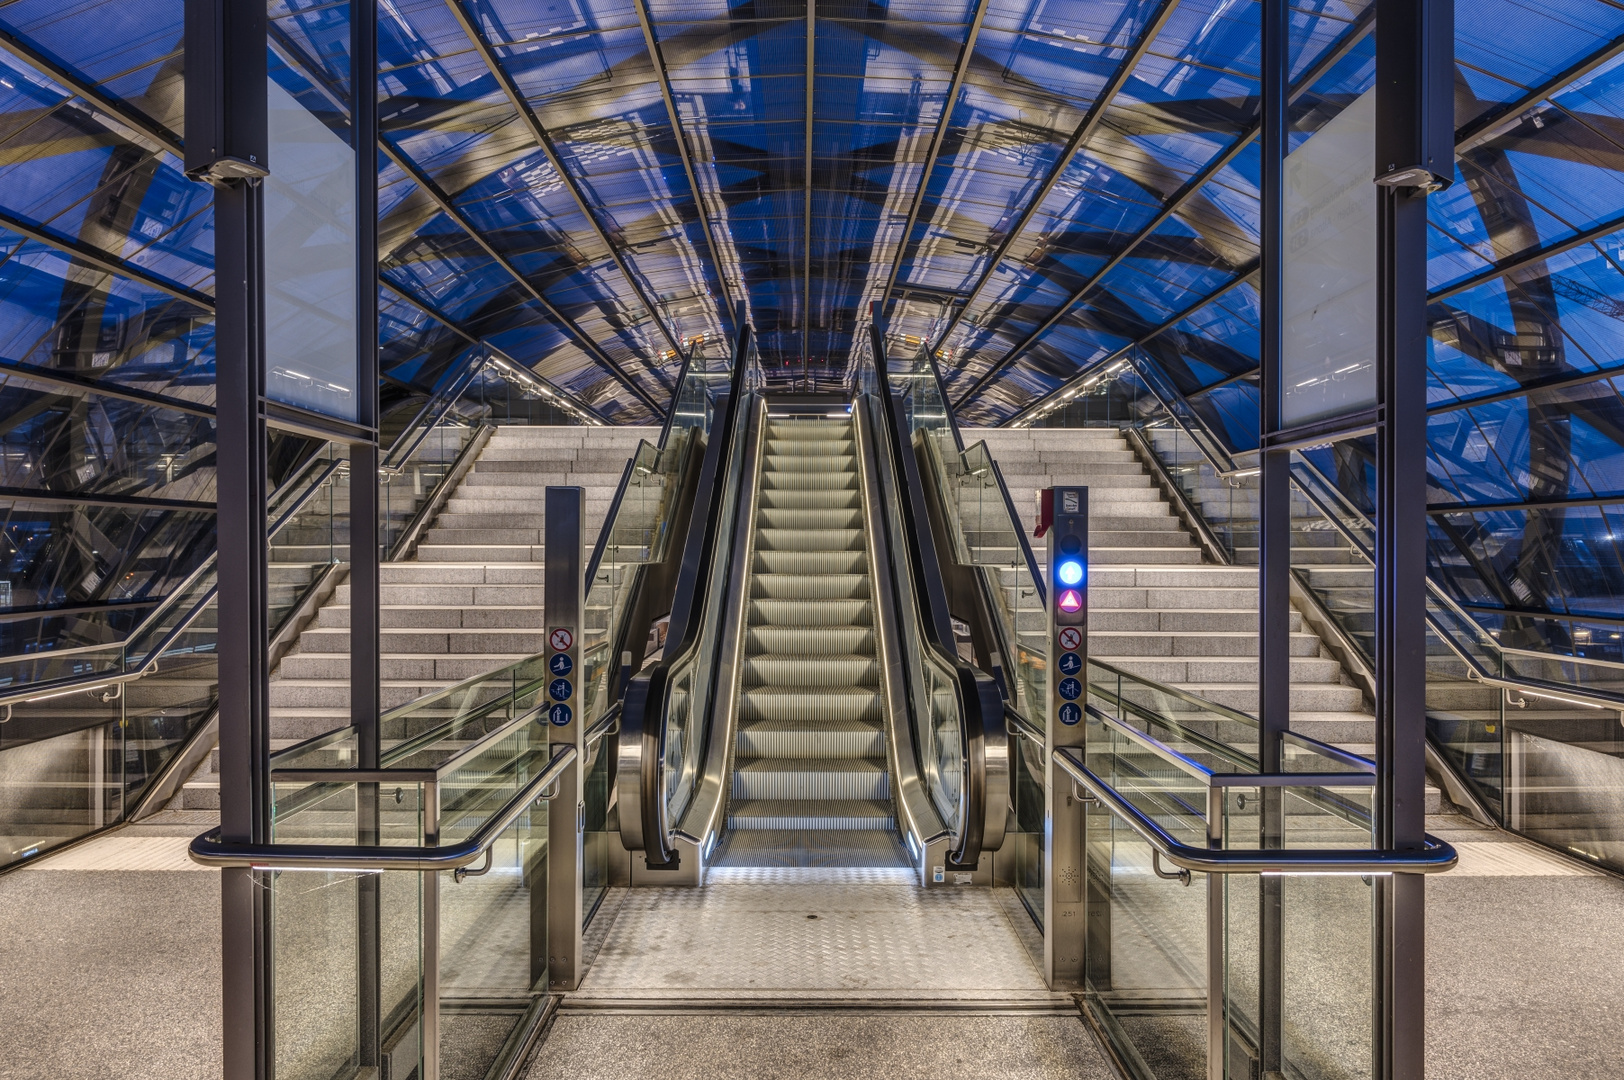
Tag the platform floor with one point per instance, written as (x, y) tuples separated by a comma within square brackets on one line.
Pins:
[(109, 967)]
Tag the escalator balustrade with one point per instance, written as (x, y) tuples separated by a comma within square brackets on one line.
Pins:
[(810, 751)]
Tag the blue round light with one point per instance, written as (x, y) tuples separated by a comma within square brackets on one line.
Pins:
[(1070, 572)]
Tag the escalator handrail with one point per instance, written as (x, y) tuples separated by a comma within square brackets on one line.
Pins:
[(915, 805), (980, 697), (643, 813), (700, 819)]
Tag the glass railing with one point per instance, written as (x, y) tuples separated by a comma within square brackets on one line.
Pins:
[(1530, 734), (668, 714), (955, 732), (483, 925), (406, 488), (94, 728), (1150, 974)]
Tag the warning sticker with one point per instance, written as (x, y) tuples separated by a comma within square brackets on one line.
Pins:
[(1070, 638), (561, 639)]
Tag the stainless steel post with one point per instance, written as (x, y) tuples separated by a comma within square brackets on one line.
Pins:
[(431, 937), (566, 696), (1065, 911)]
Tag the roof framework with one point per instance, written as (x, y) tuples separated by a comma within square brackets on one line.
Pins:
[(1034, 192)]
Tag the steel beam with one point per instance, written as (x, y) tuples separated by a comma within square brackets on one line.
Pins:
[(1559, 382), (443, 203), (1515, 505), (544, 140), (657, 58), (806, 188), (129, 117), (105, 262), (446, 321), (1497, 122), (1240, 278), (1528, 258), (73, 382), (1356, 33), (960, 70), (1079, 138)]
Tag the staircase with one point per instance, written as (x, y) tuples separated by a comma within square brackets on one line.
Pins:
[(810, 754), (468, 601), (1155, 609)]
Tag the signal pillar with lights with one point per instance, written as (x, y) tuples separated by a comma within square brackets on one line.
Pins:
[(1065, 888)]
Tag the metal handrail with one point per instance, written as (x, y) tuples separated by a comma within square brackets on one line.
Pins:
[(1435, 857), (210, 850), (406, 543), (1537, 687), (1477, 671), (1187, 511), (39, 691), (433, 412)]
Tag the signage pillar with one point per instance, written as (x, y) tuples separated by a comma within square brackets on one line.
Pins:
[(1066, 910), (556, 911)]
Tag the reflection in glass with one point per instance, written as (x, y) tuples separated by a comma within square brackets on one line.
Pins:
[(1329, 350), (310, 349)]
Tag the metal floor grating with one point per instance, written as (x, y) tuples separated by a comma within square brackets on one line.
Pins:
[(803, 933)]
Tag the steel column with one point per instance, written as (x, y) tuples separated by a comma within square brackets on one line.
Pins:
[(806, 188), (225, 94), (1274, 528), (1414, 81), (366, 673)]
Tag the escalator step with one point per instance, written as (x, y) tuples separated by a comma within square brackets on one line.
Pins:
[(811, 779), (773, 518), (812, 672), (809, 539), (811, 499), (810, 481), (802, 587), (830, 704), (777, 445), (810, 816), (811, 613), (810, 641), (811, 562), (826, 739)]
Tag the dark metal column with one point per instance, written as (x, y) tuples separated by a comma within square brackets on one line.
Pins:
[(227, 147), (1274, 523), (1414, 155), (366, 671)]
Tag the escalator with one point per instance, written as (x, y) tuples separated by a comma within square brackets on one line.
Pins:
[(820, 709), (810, 751)]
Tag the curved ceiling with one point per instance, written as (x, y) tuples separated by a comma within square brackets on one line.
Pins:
[(1030, 189)]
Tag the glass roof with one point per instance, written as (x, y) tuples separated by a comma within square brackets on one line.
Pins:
[(1031, 190)]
